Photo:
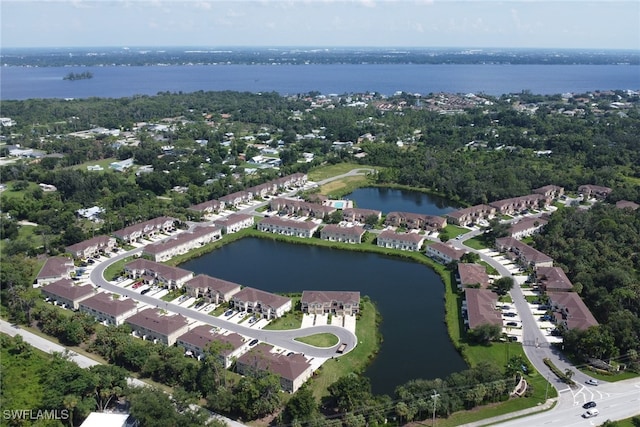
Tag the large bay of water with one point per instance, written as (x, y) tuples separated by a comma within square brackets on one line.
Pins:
[(118, 82), (409, 296)]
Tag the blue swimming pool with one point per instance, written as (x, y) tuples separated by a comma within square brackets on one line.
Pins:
[(338, 205)]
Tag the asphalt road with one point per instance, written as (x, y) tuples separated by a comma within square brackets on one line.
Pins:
[(615, 401)]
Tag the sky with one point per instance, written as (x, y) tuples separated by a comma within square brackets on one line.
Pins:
[(605, 24)]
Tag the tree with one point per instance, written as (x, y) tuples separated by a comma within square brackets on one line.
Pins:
[(351, 392), (302, 406), (485, 333), (152, 407), (503, 285)]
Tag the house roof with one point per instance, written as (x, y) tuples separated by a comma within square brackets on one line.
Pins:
[(402, 237), (155, 223), (201, 336), (261, 358), (152, 320), (168, 272), (209, 204), (577, 316), (355, 231), (360, 211), (234, 218), (554, 278), (527, 224), (257, 295), (471, 274), (301, 225), (472, 210), (105, 303), (481, 307), (203, 281), (531, 254), (56, 266), (98, 241), (448, 250), (627, 204), (67, 289), (330, 296)]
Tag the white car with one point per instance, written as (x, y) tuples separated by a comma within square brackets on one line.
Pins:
[(591, 381)]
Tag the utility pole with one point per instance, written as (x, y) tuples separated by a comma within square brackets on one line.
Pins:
[(435, 397)]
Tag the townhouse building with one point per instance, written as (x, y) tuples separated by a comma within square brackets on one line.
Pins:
[(208, 208), (288, 227), (335, 233), (330, 302), (527, 227), (105, 308), (415, 221), (553, 279), (293, 370), (444, 253), (153, 325), (300, 207), (517, 204), (264, 304), (183, 243), (66, 293), (55, 268), (235, 222), (237, 198), (570, 311), (403, 241), (92, 247), (479, 308), (594, 191), (467, 216), (197, 340), (471, 275), (159, 274), (146, 229), (212, 289), (524, 254), (360, 215), (550, 191)]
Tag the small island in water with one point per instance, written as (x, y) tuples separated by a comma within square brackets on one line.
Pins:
[(78, 76)]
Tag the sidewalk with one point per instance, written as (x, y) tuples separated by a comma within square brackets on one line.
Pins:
[(511, 415)]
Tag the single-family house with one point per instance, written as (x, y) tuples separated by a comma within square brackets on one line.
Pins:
[(293, 370), (152, 325), (105, 308), (122, 165), (403, 241), (261, 303), (330, 302)]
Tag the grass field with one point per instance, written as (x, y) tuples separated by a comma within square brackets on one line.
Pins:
[(344, 186), (475, 243), (325, 172), (320, 340), (104, 163)]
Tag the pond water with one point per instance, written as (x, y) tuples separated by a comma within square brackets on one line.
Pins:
[(409, 296)]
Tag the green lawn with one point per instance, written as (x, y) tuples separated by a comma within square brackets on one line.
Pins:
[(320, 340), (454, 230), (475, 243), (113, 271), (325, 172)]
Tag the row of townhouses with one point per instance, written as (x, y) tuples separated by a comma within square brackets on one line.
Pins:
[(182, 243)]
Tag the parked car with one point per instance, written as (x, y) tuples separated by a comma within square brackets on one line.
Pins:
[(253, 342), (589, 405), (591, 381), (591, 413), (509, 314), (228, 313), (512, 324)]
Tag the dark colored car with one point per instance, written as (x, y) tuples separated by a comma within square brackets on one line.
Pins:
[(509, 314), (589, 405), (228, 313), (253, 342), (144, 291), (512, 324)]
